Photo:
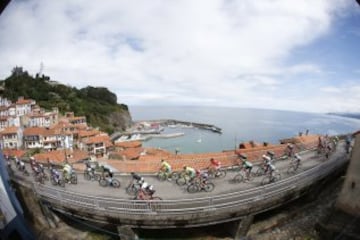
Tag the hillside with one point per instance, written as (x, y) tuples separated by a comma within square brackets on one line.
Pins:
[(98, 104)]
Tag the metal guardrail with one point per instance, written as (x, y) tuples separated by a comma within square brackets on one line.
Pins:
[(243, 200)]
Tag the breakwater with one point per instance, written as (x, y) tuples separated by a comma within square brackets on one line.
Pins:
[(173, 123)]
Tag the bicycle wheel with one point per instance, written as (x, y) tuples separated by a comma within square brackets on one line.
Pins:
[(115, 183), (46, 177), (61, 183), (174, 175), (238, 178), (103, 182), (259, 172), (73, 179), (161, 176), (266, 180), (87, 175), (130, 190), (209, 187), (192, 188), (181, 181), (277, 177), (221, 173), (290, 169), (53, 181)]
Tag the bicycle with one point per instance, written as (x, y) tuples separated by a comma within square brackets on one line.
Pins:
[(41, 177), (197, 186), (216, 173), (270, 178), (293, 167), (162, 175), (90, 175), (243, 176), (141, 194), (113, 183), (133, 187), (72, 179), (57, 181), (183, 179)]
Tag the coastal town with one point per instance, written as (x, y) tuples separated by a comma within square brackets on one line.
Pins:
[(28, 130)]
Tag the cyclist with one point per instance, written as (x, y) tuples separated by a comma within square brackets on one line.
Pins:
[(105, 170), (189, 171), (55, 174), (271, 168), (347, 144), (21, 166), (17, 161), (136, 179), (147, 189), (271, 154), (90, 168), (215, 165), (67, 171), (297, 159), (289, 151), (246, 165), (165, 167), (203, 177)]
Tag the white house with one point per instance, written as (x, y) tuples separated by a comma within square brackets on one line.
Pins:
[(11, 137)]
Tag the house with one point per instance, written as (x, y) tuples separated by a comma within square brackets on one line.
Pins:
[(41, 119), (23, 106), (11, 137), (97, 145), (33, 137)]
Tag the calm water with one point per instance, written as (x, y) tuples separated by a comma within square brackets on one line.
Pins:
[(238, 125)]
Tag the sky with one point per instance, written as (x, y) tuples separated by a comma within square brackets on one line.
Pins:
[(272, 54)]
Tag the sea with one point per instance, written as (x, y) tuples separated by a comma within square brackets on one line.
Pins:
[(238, 125)]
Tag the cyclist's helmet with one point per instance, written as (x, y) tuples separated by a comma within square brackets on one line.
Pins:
[(184, 167)]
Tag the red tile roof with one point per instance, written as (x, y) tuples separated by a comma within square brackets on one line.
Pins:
[(32, 131), (14, 152), (24, 101), (129, 144), (9, 130), (88, 133), (58, 156)]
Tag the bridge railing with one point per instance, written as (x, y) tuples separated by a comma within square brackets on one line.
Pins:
[(244, 200)]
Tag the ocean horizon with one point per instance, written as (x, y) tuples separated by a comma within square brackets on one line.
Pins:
[(238, 125)]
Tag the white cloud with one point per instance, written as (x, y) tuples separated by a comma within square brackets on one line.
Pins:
[(177, 52)]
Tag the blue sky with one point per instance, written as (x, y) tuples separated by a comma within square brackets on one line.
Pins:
[(256, 54)]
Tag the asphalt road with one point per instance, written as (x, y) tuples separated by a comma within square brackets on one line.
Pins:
[(170, 190)]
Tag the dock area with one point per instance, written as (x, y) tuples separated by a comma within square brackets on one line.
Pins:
[(147, 129)]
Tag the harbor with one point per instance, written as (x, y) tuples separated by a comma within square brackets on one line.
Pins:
[(145, 130)]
